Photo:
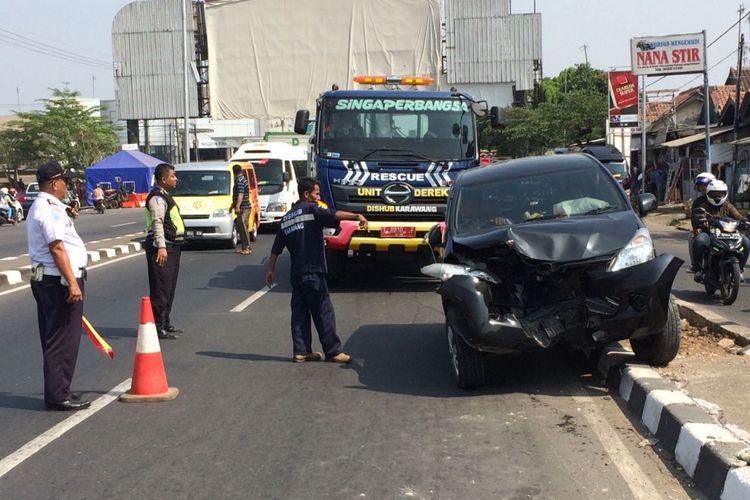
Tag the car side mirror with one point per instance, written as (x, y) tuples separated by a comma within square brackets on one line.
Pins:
[(435, 237), (646, 203), (497, 117), (300, 121), (285, 176)]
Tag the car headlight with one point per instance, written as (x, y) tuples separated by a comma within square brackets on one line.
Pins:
[(277, 207), (640, 249), (446, 271), (220, 212)]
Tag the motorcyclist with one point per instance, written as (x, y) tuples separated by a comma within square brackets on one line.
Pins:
[(15, 204), (98, 195), (702, 181), (715, 205), (5, 205)]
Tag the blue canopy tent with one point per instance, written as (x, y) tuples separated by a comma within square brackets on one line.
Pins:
[(134, 168)]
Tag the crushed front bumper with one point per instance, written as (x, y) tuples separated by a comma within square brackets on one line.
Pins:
[(630, 303)]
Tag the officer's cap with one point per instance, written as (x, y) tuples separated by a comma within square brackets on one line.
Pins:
[(48, 171)]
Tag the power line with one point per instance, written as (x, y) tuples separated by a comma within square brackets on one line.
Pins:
[(707, 46), (38, 36), (10, 41), (43, 46), (709, 69)]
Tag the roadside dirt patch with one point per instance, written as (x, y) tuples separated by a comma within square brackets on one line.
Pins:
[(709, 373)]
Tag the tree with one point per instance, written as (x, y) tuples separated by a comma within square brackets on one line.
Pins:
[(573, 109), (65, 130)]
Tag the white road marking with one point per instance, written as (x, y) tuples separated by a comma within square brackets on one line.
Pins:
[(245, 303), (24, 287), (124, 224), (10, 258), (631, 472), (29, 449)]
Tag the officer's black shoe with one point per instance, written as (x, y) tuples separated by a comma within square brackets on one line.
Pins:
[(67, 405), (174, 329), (164, 334)]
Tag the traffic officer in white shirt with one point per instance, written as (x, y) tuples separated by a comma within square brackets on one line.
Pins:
[(58, 260)]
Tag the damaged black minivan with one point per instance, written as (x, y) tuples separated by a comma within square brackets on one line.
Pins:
[(548, 251)]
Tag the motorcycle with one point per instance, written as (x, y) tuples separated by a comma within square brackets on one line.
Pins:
[(73, 204), (112, 198), (99, 206), (721, 265)]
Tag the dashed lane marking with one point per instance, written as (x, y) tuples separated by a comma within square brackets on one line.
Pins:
[(124, 224), (245, 303), (38, 443)]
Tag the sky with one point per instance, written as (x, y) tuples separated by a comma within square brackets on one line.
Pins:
[(81, 30)]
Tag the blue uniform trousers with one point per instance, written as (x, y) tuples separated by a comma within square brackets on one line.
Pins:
[(310, 299), (60, 333)]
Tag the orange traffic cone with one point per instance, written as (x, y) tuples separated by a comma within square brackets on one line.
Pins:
[(149, 381)]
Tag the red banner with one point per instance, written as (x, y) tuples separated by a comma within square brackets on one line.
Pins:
[(623, 99)]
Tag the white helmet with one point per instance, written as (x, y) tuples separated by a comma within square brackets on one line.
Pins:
[(4, 190), (717, 193), (705, 178)]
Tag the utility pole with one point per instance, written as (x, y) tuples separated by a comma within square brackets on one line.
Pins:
[(18, 98), (66, 85), (185, 55), (585, 52), (93, 85), (736, 124)]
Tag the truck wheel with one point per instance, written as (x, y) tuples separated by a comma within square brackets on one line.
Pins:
[(336, 263), (467, 362), (254, 233), (661, 348)]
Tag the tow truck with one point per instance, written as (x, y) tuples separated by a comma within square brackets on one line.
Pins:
[(390, 153)]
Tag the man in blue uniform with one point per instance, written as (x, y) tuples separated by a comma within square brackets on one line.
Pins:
[(58, 260), (301, 232)]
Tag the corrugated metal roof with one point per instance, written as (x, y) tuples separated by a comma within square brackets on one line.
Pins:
[(147, 52), (694, 138), (483, 45)]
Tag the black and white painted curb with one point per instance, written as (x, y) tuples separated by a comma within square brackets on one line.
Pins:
[(16, 277), (711, 454)]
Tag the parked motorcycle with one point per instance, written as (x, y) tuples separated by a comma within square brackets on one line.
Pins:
[(112, 198), (721, 265)]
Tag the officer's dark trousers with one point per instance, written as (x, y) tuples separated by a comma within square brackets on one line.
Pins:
[(60, 333), (310, 299), (162, 282)]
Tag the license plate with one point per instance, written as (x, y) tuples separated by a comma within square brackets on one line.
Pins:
[(189, 233), (729, 236), (398, 232)]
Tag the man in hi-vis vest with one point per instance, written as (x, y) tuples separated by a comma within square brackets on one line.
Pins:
[(166, 234)]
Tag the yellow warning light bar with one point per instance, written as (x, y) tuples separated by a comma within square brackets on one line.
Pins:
[(416, 80), (393, 80), (370, 79)]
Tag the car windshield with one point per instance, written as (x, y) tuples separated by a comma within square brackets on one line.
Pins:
[(397, 128), (619, 169), (270, 175), (531, 198), (32, 188), (202, 183)]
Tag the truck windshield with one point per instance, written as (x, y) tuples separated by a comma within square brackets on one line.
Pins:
[(392, 128), (270, 174), (202, 183)]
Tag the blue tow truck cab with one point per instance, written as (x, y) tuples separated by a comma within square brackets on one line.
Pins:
[(391, 155)]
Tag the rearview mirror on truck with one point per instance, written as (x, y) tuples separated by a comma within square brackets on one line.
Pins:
[(497, 117), (300, 121), (479, 108)]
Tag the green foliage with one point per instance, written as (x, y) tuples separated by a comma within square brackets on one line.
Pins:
[(65, 130), (573, 110)]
